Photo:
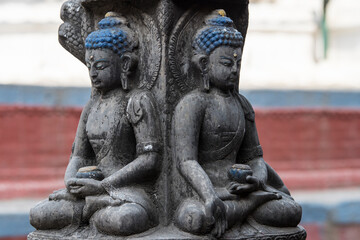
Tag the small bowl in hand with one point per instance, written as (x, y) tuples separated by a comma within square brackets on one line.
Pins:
[(90, 172), (239, 172)]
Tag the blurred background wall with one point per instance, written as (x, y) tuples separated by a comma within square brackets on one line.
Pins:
[(300, 70)]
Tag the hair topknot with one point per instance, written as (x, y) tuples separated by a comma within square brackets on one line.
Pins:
[(219, 31), (113, 34), (220, 21)]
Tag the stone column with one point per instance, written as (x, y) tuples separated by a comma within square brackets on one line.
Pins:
[(165, 29)]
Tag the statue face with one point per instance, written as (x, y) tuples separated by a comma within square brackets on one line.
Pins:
[(104, 69), (224, 67)]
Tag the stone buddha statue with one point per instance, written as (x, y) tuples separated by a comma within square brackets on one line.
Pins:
[(116, 154), (216, 146), (193, 169)]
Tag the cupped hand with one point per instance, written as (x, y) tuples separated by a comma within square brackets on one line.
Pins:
[(85, 187), (252, 184), (215, 214)]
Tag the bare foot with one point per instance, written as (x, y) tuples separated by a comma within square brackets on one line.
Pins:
[(261, 197)]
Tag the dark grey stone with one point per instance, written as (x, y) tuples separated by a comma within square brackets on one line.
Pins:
[(166, 147)]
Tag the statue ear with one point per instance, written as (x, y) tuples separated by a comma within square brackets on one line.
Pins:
[(125, 64), (201, 61)]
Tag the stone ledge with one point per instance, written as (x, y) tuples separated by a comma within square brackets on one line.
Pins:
[(245, 232)]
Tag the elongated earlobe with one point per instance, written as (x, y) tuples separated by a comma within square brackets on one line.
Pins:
[(206, 84), (125, 64), (124, 81), (203, 64)]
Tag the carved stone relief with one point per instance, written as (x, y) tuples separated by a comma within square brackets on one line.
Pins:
[(166, 147)]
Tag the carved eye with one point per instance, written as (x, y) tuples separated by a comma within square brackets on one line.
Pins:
[(101, 65), (88, 65), (226, 62)]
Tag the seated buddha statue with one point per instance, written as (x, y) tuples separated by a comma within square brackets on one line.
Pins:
[(116, 154), (216, 146)]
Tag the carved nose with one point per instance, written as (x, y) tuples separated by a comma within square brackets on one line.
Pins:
[(234, 69), (93, 74)]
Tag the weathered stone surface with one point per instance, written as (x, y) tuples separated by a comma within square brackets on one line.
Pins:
[(163, 127), (172, 233)]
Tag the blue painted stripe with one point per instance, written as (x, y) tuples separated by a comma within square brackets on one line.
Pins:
[(15, 225), (346, 213), (45, 96), (297, 98), (78, 96), (314, 213)]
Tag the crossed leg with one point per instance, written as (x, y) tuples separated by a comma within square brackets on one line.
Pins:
[(127, 219), (284, 212), (110, 216), (190, 215), (56, 214)]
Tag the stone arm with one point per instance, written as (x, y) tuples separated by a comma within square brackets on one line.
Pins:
[(142, 114), (251, 153), (187, 121), (269, 179), (82, 152), (188, 118)]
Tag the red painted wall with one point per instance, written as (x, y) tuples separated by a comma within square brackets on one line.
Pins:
[(308, 148), (312, 148), (35, 145)]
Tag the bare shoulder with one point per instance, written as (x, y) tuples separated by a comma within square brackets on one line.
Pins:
[(194, 100), (143, 96), (141, 103), (247, 107)]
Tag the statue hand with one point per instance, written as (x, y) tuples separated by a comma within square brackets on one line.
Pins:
[(252, 184), (86, 187), (70, 183), (215, 213), (61, 194)]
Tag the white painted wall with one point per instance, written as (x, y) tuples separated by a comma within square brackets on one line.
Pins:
[(30, 52), (283, 47)]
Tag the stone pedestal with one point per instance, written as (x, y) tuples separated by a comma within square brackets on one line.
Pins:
[(247, 232)]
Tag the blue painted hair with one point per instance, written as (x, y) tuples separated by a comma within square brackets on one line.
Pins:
[(219, 31), (113, 34)]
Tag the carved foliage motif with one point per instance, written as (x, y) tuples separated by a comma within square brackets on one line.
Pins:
[(76, 27), (79, 21)]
